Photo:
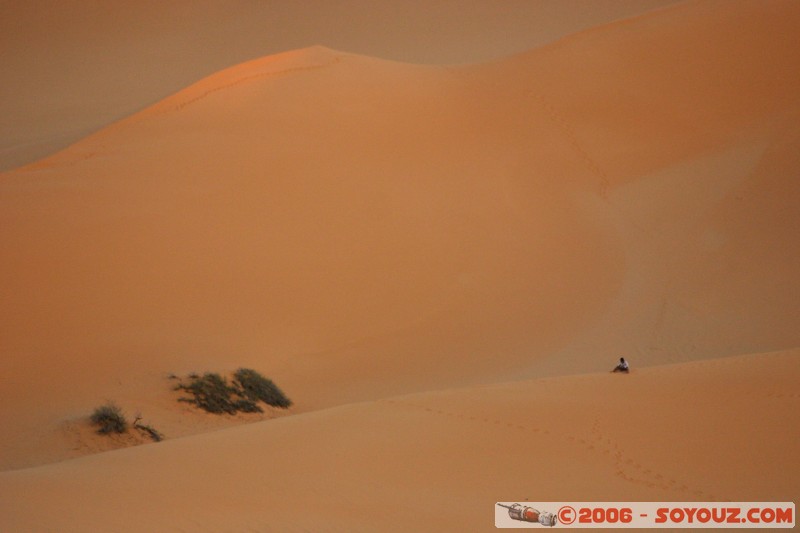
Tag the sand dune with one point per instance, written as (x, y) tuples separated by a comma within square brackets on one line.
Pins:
[(355, 241), (689, 129), (713, 430), (72, 67), (417, 253)]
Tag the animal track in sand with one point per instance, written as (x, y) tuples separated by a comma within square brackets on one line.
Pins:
[(633, 471), (625, 467)]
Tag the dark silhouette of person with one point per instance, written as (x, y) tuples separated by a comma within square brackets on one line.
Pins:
[(622, 366)]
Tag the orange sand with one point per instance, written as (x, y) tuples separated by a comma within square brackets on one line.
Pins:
[(71, 67), (439, 265)]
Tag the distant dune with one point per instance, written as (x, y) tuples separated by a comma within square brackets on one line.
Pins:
[(72, 67), (439, 264)]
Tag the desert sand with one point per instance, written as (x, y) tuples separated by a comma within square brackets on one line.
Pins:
[(439, 264), (71, 67)]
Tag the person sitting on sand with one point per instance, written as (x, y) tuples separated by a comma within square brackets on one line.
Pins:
[(622, 366)]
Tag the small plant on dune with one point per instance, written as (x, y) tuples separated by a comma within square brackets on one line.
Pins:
[(109, 418), (154, 434), (214, 394), (256, 387)]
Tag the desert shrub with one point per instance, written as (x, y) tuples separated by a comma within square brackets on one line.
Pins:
[(256, 387), (213, 393), (109, 418), (154, 434)]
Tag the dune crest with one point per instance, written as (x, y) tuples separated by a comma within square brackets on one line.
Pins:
[(283, 64), (72, 68)]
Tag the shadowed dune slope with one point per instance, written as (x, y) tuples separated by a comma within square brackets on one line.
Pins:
[(437, 461), (687, 122), (358, 229)]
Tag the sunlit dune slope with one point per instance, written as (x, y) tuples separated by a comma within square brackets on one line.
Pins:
[(711, 430), (357, 228), (71, 67)]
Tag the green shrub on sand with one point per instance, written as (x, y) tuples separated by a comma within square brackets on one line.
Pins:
[(214, 394), (109, 418)]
